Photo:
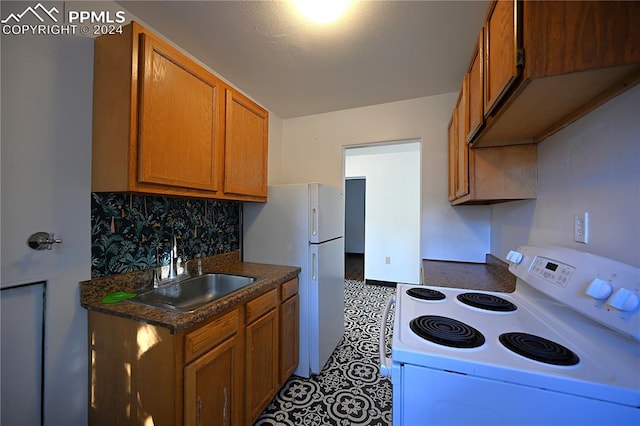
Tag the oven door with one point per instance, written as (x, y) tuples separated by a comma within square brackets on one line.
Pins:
[(429, 396)]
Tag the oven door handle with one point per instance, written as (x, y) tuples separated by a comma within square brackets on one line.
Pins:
[(385, 362)]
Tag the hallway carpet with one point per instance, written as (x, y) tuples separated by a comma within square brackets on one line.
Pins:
[(349, 390)]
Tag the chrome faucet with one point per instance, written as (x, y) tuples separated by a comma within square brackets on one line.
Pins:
[(172, 259), (198, 260), (175, 269)]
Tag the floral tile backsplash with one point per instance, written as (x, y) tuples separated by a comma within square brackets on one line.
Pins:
[(133, 232)]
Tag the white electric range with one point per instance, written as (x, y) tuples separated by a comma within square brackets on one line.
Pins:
[(562, 349)]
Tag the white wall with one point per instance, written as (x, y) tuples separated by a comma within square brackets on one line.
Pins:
[(392, 209), (274, 167), (593, 166), (312, 151)]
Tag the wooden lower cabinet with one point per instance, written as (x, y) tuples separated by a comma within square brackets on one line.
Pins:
[(213, 387), (222, 372), (135, 376), (272, 345), (289, 342), (262, 379)]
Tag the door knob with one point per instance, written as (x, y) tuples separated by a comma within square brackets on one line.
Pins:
[(42, 240)]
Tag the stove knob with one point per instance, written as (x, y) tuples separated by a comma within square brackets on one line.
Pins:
[(624, 300), (514, 257), (599, 289)]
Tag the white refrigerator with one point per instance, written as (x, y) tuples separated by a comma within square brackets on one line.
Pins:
[(303, 225)]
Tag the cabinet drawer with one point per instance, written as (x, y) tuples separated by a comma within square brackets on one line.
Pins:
[(206, 337), (289, 289), (260, 305)]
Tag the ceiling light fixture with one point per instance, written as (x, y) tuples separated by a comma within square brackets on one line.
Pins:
[(322, 11)]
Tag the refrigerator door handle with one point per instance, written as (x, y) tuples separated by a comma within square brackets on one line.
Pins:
[(314, 222), (313, 267)]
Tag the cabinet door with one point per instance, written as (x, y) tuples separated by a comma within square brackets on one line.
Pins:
[(178, 119), (453, 153), (501, 51), (245, 160), (261, 363), (212, 387), (462, 150), (289, 337), (474, 101)]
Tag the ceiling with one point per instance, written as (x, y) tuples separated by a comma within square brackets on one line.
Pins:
[(380, 51)]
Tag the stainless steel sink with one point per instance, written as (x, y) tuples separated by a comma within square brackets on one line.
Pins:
[(192, 293)]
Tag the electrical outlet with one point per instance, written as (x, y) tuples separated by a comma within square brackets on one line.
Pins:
[(581, 227), (387, 260)]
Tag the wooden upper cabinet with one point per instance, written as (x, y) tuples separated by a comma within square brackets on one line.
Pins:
[(501, 52), (178, 119), (548, 63), (462, 171), (499, 174), (488, 175), (162, 124), (569, 36), (452, 132), (458, 148), (475, 86), (247, 129)]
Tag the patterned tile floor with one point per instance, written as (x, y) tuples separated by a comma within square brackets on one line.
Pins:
[(349, 390)]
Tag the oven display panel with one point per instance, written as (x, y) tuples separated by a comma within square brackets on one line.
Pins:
[(552, 271)]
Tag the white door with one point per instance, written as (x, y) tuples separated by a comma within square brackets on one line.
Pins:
[(45, 186)]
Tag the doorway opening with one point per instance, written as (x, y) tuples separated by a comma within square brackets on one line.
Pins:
[(391, 219), (354, 227)]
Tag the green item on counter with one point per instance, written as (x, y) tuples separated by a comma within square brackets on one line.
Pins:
[(118, 296)]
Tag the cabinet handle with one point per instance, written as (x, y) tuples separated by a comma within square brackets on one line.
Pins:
[(199, 415)]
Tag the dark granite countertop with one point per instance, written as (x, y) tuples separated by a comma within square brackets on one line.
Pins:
[(92, 291), (493, 275)]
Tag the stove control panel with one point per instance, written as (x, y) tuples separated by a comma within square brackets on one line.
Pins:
[(553, 271), (602, 289)]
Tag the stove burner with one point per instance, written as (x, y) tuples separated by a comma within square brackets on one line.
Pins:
[(539, 349), (446, 331), (488, 302), (425, 294)]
